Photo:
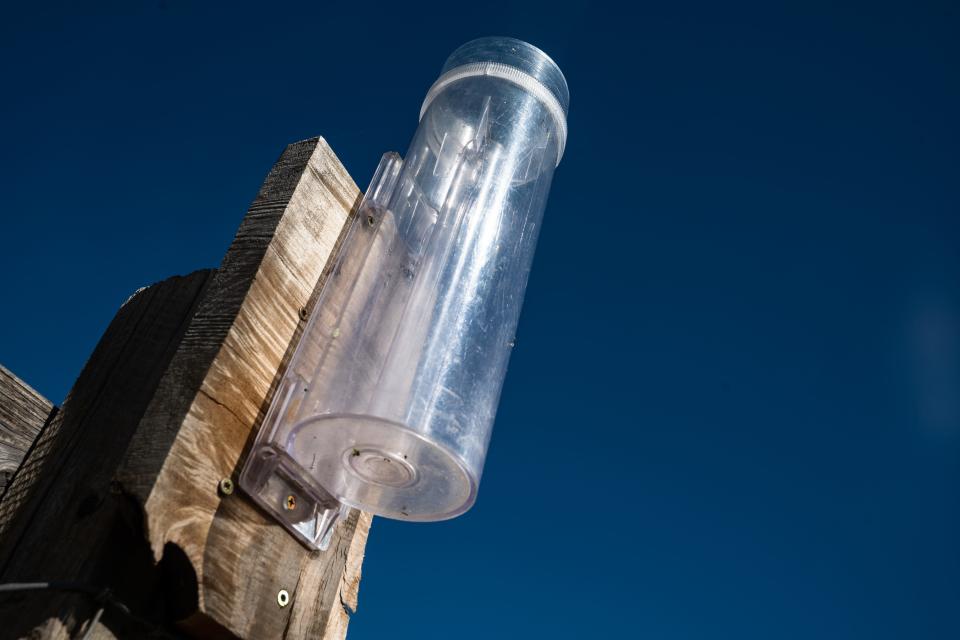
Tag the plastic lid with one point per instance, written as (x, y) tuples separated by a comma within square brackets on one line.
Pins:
[(518, 54), (515, 61)]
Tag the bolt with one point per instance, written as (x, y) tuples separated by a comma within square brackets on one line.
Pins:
[(283, 598), (371, 220), (226, 486), (290, 503)]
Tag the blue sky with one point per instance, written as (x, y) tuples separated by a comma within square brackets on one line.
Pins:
[(733, 410)]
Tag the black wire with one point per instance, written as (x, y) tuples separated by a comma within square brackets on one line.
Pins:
[(101, 596)]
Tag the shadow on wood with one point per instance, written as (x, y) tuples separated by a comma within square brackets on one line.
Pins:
[(123, 491)]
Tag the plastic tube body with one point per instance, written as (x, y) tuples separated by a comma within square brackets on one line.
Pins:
[(389, 400)]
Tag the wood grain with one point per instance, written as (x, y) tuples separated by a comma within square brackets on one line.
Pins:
[(61, 519), (23, 413), (212, 563), (246, 327)]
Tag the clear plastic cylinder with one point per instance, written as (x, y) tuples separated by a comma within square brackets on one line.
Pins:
[(389, 400)]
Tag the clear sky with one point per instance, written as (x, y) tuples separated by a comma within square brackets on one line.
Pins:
[(733, 409)]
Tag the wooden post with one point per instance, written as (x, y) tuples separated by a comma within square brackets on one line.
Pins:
[(23, 412), (127, 491)]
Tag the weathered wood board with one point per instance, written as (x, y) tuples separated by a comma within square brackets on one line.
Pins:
[(23, 412), (60, 518), (157, 530)]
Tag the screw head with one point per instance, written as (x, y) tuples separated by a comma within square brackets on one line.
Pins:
[(283, 598), (226, 486), (290, 503), (303, 313)]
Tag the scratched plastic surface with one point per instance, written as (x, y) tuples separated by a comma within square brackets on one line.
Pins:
[(389, 400)]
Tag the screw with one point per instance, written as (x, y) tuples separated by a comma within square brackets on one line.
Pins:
[(371, 220), (283, 598), (303, 313), (226, 486), (290, 503)]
